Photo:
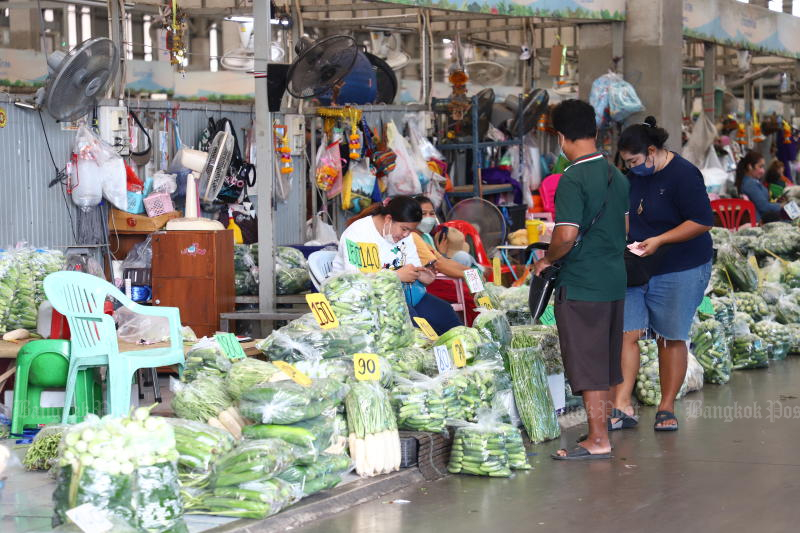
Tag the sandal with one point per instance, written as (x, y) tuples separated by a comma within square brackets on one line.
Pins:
[(625, 421), (579, 453), (664, 416)]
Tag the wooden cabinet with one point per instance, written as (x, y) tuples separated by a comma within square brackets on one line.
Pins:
[(193, 271)]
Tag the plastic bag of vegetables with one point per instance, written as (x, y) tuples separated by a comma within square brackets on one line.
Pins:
[(771, 292), (303, 339), (744, 242), (791, 274), (126, 468), (286, 402), (313, 436), (532, 393), (494, 325), (42, 454), (772, 271), (395, 329), (353, 301), (648, 380), (206, 400), (9, 276), (712, 351), (418, 403), (324, 473), (407, 360), (291, 280), (779, 238), (777, 335), (486, 447), (741, 272), (288, 257), (206, 357), (719, 283), (545, 338), (254, 460), (473, 388), (469, 337), (246, 374), (374, 441), (751, 303), (787, 311), (748, 350), (253, 499), (720, 236), (199, 446)]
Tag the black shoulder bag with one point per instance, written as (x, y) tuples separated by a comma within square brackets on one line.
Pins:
[(542, 285)]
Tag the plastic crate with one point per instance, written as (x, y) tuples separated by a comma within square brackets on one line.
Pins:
[(158, 203), (409, 450), (138, 276)]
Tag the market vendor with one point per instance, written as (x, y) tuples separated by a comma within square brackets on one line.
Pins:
[(749, 176), (390, 226), (775, 180), (670, 216), (443, 288)]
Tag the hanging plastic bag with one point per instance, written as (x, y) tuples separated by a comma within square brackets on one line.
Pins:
[(403, 180), (622, 99), (328, 170), (85, 178), (319, 231), (357, 186), (598, 98)]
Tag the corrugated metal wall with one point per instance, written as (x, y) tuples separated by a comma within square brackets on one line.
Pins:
[(39, 215)]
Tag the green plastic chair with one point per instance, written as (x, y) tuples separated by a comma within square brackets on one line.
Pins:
[(80, 298), (41, 365)]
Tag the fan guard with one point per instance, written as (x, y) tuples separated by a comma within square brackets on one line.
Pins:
[(321, 65), (215, 170), (485, 217)]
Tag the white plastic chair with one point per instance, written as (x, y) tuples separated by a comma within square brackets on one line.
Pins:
[(319, 266)]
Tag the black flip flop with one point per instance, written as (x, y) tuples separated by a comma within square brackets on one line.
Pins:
[(579, 453), (663, 416), (625, 421)]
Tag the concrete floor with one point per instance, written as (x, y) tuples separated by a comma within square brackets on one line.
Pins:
[(733, 466)]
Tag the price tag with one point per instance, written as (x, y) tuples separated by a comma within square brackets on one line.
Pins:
[(321, 309), (459, 354), (230, 345), (485, 302), (497, 273), (548, 318), (443, 361), (353, 253), (367, 367), (473, 279), (90, 519), (294, 374), (706, 307), (370, 258), (792, 209), (426, 328)]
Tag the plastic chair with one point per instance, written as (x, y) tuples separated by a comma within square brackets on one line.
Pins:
[(81, 297), (43, 364), (732, 210), (460, 305), (470, 232), (319, 266)]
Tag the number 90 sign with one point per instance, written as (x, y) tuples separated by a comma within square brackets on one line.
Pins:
[(366, 367)]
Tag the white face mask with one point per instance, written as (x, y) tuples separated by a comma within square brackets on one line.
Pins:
[(427, 224), (387, 236)]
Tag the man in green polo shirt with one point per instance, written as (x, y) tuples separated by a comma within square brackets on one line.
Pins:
[(591, 209)]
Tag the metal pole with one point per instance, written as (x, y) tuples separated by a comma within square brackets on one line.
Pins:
[(265, 162), (709, 73), (116, 29)]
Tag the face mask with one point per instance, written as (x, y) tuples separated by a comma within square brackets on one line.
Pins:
[(643, 170), (561, 152), (387, 236), (427, 224)]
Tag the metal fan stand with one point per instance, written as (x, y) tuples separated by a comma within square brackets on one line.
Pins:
[(477, 146)]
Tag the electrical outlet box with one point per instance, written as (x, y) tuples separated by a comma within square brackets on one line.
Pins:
[(296, 126), (113, 124)]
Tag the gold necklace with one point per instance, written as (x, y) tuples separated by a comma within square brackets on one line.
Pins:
[(640, 210)]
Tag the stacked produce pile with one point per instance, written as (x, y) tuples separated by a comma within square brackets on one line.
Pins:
[(291, 270), (648, 381), (512, 300), (304, 340), (22, 273)]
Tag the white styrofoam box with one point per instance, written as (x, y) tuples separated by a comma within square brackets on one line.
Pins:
[(557, 390), (55, 398)]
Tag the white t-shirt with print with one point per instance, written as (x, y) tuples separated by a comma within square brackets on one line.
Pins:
[(392, 256)]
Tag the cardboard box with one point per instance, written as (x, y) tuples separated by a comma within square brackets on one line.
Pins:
[(122, 222)]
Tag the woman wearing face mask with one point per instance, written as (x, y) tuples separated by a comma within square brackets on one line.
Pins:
[(670, 216), (749, 176), (428, 254), (390, 226)]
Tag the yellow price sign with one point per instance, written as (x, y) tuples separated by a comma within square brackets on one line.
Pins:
[(294, 374), (497, 274), (485, 302), (367, 367), (459, 354), (426, 328), (322, 311), (370, 257)]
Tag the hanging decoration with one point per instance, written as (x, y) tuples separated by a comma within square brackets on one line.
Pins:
[(458, 78), (741, 133), (355, 135), (281, 136), (175, 22), (758, 137), (787, 133)]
